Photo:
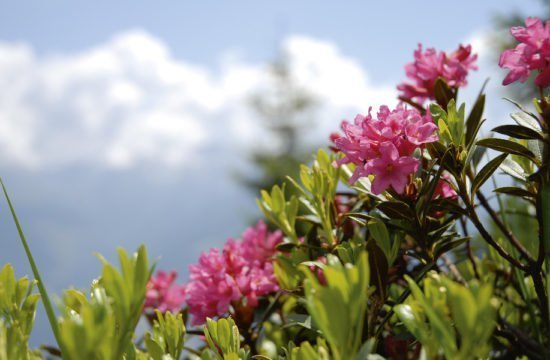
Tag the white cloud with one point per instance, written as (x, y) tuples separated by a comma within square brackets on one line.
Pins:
[(129, 102)]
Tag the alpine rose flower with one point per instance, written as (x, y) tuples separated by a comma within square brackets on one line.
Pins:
[(239, 274), (163, 294), (532, 53), (444, 190), (383, 146), (390, 169), (429, 65)]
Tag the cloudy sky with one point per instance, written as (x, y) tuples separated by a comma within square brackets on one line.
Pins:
[(123, 123)]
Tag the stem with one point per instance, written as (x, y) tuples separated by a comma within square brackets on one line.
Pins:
[(501, 222), (498, 221), (41, 288), (469, 247), (541, 294), (452, 269), (484, 233)]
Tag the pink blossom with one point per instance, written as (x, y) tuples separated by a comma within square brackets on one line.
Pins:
[(211, 288), (258, 244), (390, 169), (367, 141), (443, 189), (429, 65), (163, 294), (239, 275), (532, 53)]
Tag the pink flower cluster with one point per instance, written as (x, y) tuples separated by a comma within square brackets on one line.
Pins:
[(429, 65), (383, 146), (532, 53), (163, 294), (242, 272)]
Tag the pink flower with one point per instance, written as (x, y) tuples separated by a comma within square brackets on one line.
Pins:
[(390, 169), (443, 189), (163, 294), (430, 65), (258, 244), (532, 53), (366, 144), (211, 288), (239, 275)]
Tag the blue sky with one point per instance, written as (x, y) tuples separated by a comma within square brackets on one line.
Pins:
[(123, 122), (377, 33)]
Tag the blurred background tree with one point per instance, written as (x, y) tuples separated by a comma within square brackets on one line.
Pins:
[(285, 109)]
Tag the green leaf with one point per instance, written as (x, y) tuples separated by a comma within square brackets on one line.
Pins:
[(395, 209), (379, 232), (508, 147), (378, 265), (513, 169), (515, 191), (445, 246), (167, 338), (338, 308), (474, 120), (518, 132), (526, 120), (486, 172), (17, 313), (440, 326), (223, 339), (443, 93), (537, 148)]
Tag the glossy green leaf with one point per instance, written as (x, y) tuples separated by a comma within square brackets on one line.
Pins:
[(508, 147), (486, 172), (338, 308), (515, 191), (442, 92), (518, 132), (512, 168), (223, 339), (474, 120), (526, 120), (379, 232)]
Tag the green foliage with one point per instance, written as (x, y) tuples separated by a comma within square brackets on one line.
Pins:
[(88, 326), (224, 340), (450, 319), (318, 187), (167, 338), (128, 288), (103, 326), (279, 211), (306, 351), (450, 123), (338, 308), (17, 312), (381, 235), (509, 147), (286, 268)]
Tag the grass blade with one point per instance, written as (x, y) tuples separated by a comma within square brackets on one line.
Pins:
[(41, 288)]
